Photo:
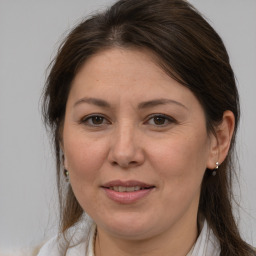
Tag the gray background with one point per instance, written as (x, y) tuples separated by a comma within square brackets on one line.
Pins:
[(30, 32)]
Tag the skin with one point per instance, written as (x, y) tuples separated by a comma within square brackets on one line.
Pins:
[(127, 143)]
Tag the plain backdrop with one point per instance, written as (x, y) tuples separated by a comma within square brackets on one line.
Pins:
[(30, 32)]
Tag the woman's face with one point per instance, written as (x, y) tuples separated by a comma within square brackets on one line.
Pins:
[(135, 145)]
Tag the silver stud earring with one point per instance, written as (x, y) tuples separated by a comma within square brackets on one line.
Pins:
[(215, 170), (66, 174)]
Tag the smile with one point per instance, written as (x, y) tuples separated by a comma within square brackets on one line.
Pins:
[(127, 192), (127, 189)]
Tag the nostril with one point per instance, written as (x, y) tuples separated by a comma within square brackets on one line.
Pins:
[(124, 164), (125, 159), (114, 163)]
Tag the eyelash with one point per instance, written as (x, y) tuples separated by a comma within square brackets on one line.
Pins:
[(169, 119), (86, 119)]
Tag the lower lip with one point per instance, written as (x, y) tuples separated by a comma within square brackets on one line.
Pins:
[(127, 197)]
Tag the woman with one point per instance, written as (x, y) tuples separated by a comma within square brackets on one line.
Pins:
[(143, 107)]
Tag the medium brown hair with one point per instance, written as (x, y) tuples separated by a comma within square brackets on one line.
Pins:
[(191, 52)]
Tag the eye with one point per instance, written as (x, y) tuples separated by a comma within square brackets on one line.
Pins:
[(95, 120), (160, 120)]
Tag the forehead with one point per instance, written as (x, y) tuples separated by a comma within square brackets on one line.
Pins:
[(125, 79), (123, 70), (120, 61)]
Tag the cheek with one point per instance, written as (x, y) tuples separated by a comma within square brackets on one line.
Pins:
[(180, 165), (84, 157), (181, 160)]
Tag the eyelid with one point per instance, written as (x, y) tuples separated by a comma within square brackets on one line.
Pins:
[(84, 120), (167, 117)]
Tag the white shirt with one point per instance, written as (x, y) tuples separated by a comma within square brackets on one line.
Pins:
[(206, 245)]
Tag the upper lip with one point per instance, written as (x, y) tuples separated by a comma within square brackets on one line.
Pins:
[(128, 183)]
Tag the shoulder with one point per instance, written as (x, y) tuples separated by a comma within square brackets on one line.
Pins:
[(51, 248), (55, 248), (76, 243)]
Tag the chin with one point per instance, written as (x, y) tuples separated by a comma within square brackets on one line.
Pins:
[(127, 227)]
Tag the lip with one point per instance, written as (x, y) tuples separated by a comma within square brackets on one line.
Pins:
[(128, 183), (127, 197)]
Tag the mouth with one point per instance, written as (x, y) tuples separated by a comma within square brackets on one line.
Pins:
[(128, 189), (127, 192), (127, 186)]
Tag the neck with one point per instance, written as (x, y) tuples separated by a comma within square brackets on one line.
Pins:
[(178, 241)]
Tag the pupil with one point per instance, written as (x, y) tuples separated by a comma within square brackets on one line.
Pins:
[(97, 120), (159, 120)]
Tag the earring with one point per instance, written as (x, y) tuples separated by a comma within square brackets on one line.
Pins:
[(65, 171), (66, 174), (215, 170)]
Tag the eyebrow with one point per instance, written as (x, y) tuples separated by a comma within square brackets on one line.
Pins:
[(156, 102), (94, 101), (142, 105)]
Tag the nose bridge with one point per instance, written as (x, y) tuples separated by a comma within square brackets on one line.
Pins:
[(125, 149), (124, 138)]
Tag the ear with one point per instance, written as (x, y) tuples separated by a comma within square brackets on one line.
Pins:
[(220, 142)]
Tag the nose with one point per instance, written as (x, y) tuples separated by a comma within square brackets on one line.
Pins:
[(126, 149)]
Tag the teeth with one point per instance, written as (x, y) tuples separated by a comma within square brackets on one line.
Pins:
[(125, 189), (136, 188), (122, 189)]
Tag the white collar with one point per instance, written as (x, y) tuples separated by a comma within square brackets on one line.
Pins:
[(206, 244)]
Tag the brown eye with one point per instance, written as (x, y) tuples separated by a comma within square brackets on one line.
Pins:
[(97, 120), (94, 120), (158, 120)]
